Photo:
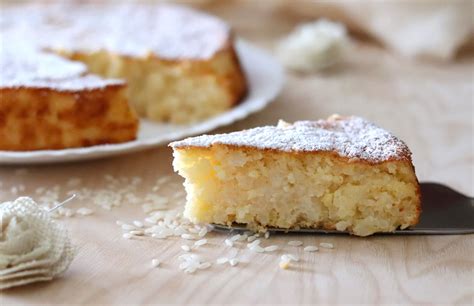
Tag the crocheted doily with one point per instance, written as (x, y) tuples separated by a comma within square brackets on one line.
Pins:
[(32, 246)]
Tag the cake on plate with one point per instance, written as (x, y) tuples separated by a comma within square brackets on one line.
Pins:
[(343, 173), (47, 103), (174, 65)]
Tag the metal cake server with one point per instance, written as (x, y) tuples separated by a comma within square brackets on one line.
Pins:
[(445, 212)]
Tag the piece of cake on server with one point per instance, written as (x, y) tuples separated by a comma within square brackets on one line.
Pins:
[(343, 173)]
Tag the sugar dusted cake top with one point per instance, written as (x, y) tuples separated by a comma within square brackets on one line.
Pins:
[(30, 33), (351, 137), (23, 67), (168, 31)]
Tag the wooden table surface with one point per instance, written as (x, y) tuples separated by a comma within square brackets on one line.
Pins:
[(429, 105)]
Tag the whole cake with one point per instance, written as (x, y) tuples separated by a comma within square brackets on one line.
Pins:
[(343, 173), (173, 64)]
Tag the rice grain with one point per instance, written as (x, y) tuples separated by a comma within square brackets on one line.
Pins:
[(257, 249), (251, 238), (222, 260), (155, 263), (229, 243), (271, 248), (200, 242), (84, 211), (295, 243), (289, 257), (202, 232), (188, 237), (253, 244), (326, 245), (138, 223), (235, 238), (310, 248)]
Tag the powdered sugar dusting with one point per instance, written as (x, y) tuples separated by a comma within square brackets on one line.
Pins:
[(168, 31), (30, 32), (351, 137), (22, 66)]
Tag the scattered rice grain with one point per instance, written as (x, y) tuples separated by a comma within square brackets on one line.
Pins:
[(222, 260), (310, 248), (200, 242), (84, 211), (235, 238), (188, 236), (289, 257), (257, 249), (159, 236), (138, 223), (295, 243), (193, 230), (202, 232), (254, 243), (243, 237), (155, 263), (229, 243), (326, 245), (151, 220), (271, 248)]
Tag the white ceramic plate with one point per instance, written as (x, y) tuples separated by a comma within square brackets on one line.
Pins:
[(265, 79)]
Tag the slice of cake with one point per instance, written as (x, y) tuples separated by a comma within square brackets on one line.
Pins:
[(342, 173), (47, 102)]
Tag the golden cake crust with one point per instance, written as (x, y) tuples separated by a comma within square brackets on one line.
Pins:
[(47, 102), (44, 118)]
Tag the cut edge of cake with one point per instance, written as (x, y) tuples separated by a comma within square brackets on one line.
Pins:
[(190, 90)]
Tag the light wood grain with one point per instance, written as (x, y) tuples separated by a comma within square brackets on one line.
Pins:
[(429, 105)]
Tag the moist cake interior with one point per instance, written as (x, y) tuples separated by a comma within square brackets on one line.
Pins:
[(228, 179)]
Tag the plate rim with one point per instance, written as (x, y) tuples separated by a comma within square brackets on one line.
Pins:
[(245, 108)]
